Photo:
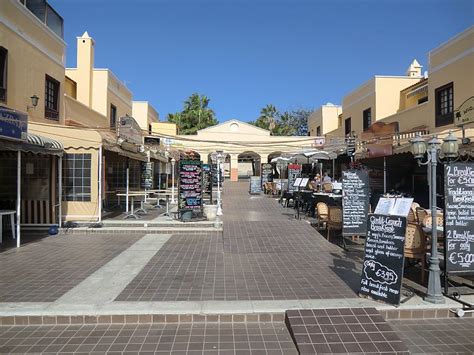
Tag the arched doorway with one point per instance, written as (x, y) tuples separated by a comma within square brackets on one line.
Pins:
[(248, 164)]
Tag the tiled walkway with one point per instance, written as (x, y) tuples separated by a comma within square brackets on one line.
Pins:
[(264, 254), (45, 270), (183, 339), (437, 336)]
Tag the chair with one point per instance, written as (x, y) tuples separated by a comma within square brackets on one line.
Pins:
[(411, 218), (421, 213), (439, 220), (334, 220), (327, 187), (415, 245), (322, 211)]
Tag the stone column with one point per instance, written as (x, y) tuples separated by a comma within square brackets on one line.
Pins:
[(234, 167)]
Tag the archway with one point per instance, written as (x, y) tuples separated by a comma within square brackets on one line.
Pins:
[(248, 164)]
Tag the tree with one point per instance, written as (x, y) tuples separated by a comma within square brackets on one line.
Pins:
[(195, 115), (288, 123)]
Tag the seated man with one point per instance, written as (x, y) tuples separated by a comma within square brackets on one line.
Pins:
[(326, 177), (314, 184)]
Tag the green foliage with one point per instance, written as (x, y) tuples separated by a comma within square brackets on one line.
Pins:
[(195, 115), (288, 123)]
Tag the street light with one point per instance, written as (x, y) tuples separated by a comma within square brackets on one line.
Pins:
[(217, 157), (450, 149), (173, 162)]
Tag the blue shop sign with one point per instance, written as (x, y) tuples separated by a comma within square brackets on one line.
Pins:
[(13, 124)]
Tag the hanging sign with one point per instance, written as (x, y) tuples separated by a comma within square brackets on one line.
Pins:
[(459, 217), (355, 202), (382, 271), (190, 188), (13, 124), (266, 172), (465, 113), (294, 172)]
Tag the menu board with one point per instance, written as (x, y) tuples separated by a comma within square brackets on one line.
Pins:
[(190, 189), (294, 172), (255, 186), (146, 180), (382, 271), (355, 201), (459, 217), (266, 172)]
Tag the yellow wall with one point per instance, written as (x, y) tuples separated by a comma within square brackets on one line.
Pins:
[(144, 114), (164, 128), (387, 95), (33, 51), (355, 103)]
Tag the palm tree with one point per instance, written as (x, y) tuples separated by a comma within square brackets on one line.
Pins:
[(268, 116), (196, 115)]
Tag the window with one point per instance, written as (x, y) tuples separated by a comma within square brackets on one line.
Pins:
[(51, 98), (347, 126), (444, 102), (3, 74), (46, 14), (318, 130), (367, 115), (77, 177), (423, 99), (149, 129), (113, 116)]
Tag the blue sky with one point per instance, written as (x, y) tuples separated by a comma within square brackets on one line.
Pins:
[(244, 54)]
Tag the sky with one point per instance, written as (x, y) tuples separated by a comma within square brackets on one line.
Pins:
[(244, 54)]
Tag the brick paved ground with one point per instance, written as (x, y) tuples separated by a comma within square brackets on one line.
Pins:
[(188, 338), (45, 270), (264, 254), (437, 336), (343, 331)]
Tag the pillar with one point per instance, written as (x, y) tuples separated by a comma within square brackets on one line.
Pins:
[(234, 167)]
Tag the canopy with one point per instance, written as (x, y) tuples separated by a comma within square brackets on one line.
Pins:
[(323, 155), (34, 144)]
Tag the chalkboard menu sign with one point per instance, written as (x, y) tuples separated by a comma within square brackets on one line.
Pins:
[(147, 176), (382, 270), (255, 186), (190, 179), (459, 217), (267, 172), (355, 201), (294, 172)]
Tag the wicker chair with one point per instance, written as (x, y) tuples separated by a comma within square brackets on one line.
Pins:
[(411, 218), (439, 220), (421, 213), (334, 220), (415, 245), (322, 213), (327, 187)]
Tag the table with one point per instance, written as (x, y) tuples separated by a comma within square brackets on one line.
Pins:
[(12, 214), (133, 212), (167, 199)]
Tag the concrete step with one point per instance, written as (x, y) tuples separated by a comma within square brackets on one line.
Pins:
[(141, 230)]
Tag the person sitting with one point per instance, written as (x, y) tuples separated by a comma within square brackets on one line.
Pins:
[(314, 184), (326, 177)]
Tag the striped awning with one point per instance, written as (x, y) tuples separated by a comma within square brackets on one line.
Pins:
[(44, 142)]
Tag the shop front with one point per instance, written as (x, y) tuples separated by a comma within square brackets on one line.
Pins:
[(29, 176)]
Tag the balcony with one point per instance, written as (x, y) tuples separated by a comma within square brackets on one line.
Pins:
[(46, 14)]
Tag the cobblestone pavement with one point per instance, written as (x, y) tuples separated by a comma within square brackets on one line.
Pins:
[(437, 336), (263, 254), (189, 339), (43, 271)]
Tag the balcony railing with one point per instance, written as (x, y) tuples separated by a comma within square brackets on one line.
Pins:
[(46, 14)]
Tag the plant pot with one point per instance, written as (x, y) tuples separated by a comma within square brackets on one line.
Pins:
[(210, 211)]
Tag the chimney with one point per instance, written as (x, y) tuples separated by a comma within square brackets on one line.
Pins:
[(414, 70), (85, 67)]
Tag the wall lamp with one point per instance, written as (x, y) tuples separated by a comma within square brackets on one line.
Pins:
[(34, 102)]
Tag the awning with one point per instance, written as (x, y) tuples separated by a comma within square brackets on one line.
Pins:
[(113, 147), (34, 144)]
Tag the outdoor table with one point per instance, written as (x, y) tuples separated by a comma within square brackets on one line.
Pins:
[(167, 199), (133, 212), (12, 222)]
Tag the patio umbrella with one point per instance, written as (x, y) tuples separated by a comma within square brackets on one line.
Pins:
[(324, 155)]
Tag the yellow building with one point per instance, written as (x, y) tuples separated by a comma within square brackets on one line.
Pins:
[(324, 119)]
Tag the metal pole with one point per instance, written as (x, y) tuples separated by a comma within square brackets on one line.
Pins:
[(60, 190), (18, 198), (428, 168), (127, 177), (384, 175), (333, 170), (434, 294), (99, 207), (219, 204), (173, 200)]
